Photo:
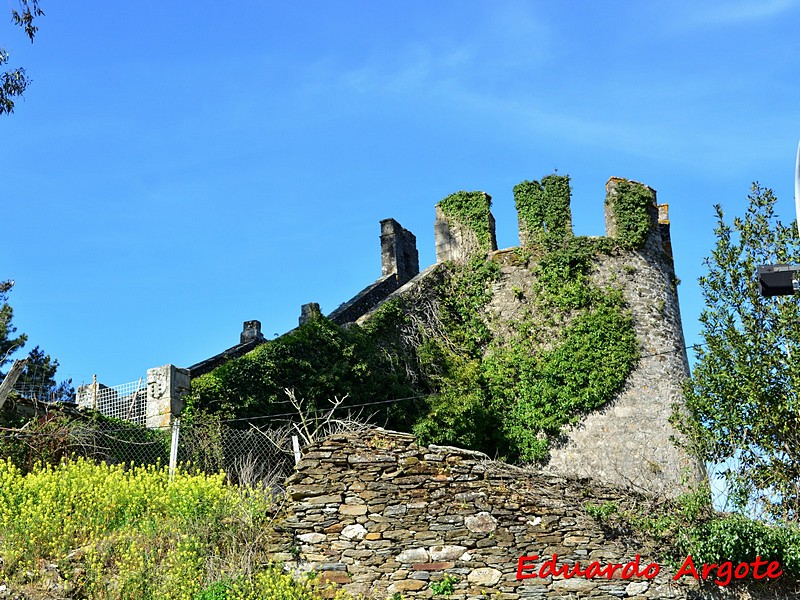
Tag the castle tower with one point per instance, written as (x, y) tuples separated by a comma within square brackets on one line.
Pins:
[(630, 441)]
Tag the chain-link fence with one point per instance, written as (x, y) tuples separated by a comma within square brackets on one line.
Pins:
[(248, 455)]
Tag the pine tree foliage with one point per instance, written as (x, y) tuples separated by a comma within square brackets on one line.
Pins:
[(39, 377)]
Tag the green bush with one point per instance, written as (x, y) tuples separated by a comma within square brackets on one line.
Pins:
[(689, 526), (319, 361)]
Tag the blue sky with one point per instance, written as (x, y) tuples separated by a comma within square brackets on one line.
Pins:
[(176, 169)]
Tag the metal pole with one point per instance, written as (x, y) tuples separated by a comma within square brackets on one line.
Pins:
[(173, 450)]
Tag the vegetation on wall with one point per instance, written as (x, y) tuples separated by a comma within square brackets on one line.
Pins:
[(543, 209), (631, 205), (472, 210), (507, 389), (512, 394)]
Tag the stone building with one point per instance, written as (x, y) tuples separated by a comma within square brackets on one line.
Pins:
[(629, 441)]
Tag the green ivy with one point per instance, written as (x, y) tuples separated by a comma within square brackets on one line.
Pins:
[(512, 394), (543, 209), (631, 206), (471, 210), (562, 274), (507, 389), (319, 360), (539, 391)]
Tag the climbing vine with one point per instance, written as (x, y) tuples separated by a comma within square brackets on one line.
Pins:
[(543, 209), (507, 388), (512, 394), (471, 209), (540, 390), (319, 361), (631, 206)]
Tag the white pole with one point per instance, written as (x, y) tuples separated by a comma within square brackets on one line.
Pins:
[(296, 448), (797, 188), (173, 449)]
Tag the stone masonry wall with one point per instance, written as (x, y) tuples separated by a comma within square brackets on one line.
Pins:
[(380, 515), (630, 441), (456, 241)]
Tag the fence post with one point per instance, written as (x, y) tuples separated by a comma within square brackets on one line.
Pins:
[(296, 448), (173, 449)]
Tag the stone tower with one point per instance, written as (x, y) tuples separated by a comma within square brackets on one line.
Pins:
[(631, 441)]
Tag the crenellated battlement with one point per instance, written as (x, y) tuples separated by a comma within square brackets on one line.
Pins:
[(628, 439)]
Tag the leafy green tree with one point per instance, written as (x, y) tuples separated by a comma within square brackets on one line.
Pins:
[(15, 81), (319, 361), (743, 398)]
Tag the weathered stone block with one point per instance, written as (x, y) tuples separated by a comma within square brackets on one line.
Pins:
[(483, 522), (484, 576), (406, 585), (413, 555), (354, 532), (446, 553), (435, 566), (353, 509)]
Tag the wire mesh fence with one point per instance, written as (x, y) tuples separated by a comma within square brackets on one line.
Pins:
[(249, 456), (127, 401)]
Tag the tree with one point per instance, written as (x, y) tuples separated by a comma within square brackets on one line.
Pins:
[(744, 411), (8, 343), (15, 81), (38, 377)]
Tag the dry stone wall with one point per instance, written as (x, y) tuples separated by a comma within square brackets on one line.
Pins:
[(386, 518)]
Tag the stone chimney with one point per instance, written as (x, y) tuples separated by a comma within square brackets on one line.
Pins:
[(398, 251), (251, 330), (309, 312)]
